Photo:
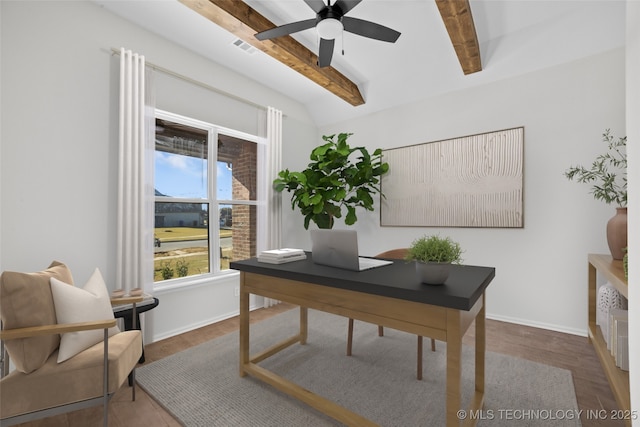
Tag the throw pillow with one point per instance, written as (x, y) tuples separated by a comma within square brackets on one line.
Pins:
[(74, 305), (25, 300)]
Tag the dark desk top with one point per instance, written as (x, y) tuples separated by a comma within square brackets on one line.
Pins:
[(462, 289)]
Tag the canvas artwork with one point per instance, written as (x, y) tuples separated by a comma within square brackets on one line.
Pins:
[(471, 181)]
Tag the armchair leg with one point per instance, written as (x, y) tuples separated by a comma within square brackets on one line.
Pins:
[(380, 331), (433, 344), (105, 410), (350, 337), (419, 375)]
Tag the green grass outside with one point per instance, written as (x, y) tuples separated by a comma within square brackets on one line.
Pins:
[(197, 263)]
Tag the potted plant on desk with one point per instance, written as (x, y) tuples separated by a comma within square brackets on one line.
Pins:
[(433, 256)]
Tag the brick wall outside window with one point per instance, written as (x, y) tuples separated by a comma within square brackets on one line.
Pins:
[(244, 188)]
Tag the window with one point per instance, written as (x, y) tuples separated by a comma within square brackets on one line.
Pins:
[(206, 197)]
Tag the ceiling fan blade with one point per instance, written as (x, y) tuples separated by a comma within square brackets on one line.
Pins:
[(316, 5), (286, 29), (346, 5), (325, 52), (369, 29)]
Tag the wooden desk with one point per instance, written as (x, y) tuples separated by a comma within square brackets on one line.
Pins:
[(388, 296)]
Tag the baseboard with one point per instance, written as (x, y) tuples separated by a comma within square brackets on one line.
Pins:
[(540, 325), (196, 325)]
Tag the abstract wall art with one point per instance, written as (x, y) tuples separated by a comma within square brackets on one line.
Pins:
[(470, 181)]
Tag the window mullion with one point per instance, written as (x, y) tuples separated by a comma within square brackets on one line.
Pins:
[(214, 212)]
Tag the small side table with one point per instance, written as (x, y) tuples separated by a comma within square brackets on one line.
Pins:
[(127, 316)]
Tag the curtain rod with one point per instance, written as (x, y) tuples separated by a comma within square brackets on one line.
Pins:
[(195, 82)]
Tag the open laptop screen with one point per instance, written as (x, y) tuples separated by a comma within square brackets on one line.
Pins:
[(339, 248)]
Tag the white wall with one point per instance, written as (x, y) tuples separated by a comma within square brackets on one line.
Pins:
[(633, 151), (59, 142), (58, 161), (541, 273)]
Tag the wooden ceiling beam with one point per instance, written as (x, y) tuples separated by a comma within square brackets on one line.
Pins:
[(458, 20), (241, 20)]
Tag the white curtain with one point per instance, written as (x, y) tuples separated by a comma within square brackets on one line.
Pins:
[(135, 209), (274, 199)]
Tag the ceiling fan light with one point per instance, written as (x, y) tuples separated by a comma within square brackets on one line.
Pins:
[(329, 28)]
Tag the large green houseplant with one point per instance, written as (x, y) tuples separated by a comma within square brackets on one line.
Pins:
[(608, 178), (338, 177)]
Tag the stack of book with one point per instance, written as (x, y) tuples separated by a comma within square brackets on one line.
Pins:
[(280, 256), (619, 337)]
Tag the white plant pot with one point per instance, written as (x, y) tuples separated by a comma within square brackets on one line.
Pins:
[(433, 273)]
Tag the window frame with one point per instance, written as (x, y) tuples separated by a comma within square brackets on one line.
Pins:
[(214, 203)]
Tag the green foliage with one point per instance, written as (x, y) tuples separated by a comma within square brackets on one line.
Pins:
[(625, 263), (608, 172), (333, 181), (435, 249), (167, 270), (182, 267)]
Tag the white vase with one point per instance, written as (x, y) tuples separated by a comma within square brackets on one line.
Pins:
[(433, 273)]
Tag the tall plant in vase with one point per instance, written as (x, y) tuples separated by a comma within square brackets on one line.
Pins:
[(608, 177), (338, 177)]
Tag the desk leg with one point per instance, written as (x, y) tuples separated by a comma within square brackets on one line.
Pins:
[(244, 326), (454, 363), (481, 348), (303, 324)]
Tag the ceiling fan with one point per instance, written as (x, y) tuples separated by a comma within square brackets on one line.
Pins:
[(329, 22)]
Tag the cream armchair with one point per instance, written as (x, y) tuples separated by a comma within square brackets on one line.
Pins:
[(41, 385)]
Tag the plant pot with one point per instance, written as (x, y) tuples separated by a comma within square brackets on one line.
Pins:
[(617, 233), (433, 273)]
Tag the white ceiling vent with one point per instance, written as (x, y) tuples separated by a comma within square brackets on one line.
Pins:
[(246, 47)]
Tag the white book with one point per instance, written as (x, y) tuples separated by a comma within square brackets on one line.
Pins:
[(622, 343), (272, 260), (281, 253), (615, 315)]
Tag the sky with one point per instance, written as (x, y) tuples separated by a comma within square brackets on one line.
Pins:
[(185, 176)]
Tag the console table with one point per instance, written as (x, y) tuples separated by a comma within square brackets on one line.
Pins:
[(613, 271), (389, 296)]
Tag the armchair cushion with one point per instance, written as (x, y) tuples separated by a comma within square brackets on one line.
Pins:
[(75, 305), (25, 300), (77, 379)]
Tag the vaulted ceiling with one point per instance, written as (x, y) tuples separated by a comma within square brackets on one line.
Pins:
[(435, 53), (243, 21)]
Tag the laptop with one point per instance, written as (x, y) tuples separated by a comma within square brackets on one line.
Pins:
[(339, 248)]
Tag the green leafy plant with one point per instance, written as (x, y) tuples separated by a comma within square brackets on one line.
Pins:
[(167, 270), (182, 267), (608, 172), (435, 249), (333, 181)]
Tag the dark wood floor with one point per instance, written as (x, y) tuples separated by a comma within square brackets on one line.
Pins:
[(553, 348)]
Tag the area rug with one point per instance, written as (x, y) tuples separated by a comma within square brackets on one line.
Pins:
[(200, 386)]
